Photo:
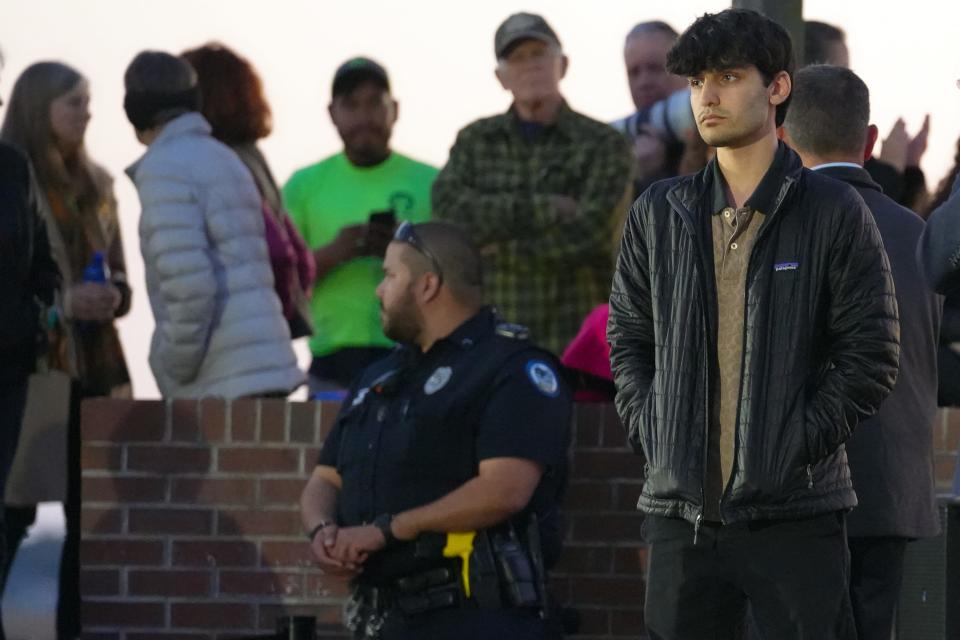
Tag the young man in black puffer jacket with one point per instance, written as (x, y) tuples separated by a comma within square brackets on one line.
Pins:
[(753, 324)]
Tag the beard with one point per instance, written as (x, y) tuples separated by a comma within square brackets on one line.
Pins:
[(404, 322)]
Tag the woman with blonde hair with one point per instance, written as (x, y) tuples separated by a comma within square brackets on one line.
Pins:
[(47, 118)]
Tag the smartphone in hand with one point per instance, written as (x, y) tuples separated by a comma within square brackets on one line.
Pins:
[(386, 218), (380, 231)]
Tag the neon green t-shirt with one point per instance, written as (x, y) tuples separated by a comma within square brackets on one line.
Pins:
[(332, 194)]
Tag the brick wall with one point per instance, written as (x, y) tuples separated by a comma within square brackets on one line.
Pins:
[(191, 529)]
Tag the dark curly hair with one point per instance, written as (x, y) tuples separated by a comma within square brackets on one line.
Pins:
[(231, 94), (734, 38)]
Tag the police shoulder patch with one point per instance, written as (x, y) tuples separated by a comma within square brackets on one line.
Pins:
[(514, 331), (543, 378)]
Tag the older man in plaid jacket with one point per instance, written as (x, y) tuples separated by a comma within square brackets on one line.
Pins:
[(541, 188)]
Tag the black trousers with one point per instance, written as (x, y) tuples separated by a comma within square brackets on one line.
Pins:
[(13, 400), (792, 573), (20, 518), (876, 575), (464, 624)]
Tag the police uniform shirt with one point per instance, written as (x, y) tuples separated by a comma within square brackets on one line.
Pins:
[(416, 425)]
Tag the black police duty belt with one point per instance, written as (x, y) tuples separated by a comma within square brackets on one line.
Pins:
[(505, 573)]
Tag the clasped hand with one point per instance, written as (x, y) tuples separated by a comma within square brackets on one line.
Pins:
[(342, 552)]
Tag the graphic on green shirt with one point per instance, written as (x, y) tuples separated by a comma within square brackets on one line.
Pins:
[(329, 195)]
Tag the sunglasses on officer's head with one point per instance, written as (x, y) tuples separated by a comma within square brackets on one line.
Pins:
[(408, 234)]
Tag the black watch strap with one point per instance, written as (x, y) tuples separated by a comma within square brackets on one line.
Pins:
[(317, 529), (382, 522)]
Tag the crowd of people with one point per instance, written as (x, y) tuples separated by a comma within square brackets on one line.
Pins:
[(778, 315)]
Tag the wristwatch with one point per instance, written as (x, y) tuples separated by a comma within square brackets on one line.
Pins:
[(313, 532), (383, 522)]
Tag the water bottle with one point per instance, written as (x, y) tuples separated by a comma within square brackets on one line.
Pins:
[(97, 270)]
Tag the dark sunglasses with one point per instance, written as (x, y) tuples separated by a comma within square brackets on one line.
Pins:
[(408, 234)]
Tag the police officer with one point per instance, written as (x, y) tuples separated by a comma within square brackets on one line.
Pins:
[(463, 428)]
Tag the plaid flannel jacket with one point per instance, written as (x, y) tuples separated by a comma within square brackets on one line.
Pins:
[(540, 271)]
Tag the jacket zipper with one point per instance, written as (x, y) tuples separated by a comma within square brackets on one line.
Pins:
[(761, 234), (688, 220)]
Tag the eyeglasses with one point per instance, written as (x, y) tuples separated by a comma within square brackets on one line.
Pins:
[(408, 234)]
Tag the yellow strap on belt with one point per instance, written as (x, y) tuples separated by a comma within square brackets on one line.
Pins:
[(460, 545)]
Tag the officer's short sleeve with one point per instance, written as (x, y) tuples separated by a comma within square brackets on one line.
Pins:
[(528, 412), (331, 446), (330, 450)]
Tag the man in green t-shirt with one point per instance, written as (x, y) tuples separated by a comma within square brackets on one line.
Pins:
[(346, 208)]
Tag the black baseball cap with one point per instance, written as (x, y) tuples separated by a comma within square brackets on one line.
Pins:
[(355, 71), (520, 27)]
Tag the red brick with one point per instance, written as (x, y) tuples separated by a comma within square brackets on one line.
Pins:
[(243, 420), (951, 432), (284, 492), (272, 522), (328, 417), (168, 583), (168, 636), (100, 457), (273, 420), (261, 583), (588, 496), (608, 528), (630, 560), (258, 460), (212, 615), (302, 424), (112, 613), (119, 421), (606, 464), (96, 521), (123, 489), (587, 423), (170, 459), (99, 582), (325, 586), (213, 420), (627, 495), (171, 521), (214, 553), (328, 616), (945, 466), (286, 554), (608, 591), (120, 551), (559, 587), (213, 491), (612, 433), (185, 420), (627, 622), (593, 621), (579, 560)]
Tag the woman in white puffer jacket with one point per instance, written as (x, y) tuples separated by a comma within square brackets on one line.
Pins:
[(220, 329)]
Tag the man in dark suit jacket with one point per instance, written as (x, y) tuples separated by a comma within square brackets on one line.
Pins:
[(891, 454)]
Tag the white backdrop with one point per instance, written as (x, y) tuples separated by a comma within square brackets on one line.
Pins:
[(439, 55)]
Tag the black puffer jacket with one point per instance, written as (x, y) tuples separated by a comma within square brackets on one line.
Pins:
[(821, 343)]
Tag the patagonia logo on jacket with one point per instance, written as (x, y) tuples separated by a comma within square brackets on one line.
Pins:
[(786, 266)]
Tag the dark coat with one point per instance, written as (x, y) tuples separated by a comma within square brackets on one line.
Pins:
[(28, 275), (821, 343), (939, 248), (891, 454)]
